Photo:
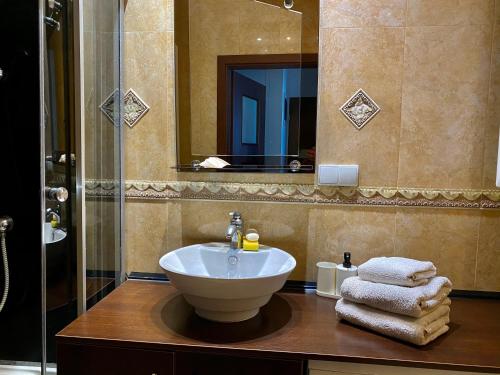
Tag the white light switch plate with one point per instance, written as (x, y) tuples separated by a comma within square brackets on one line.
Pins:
[(338, 175)]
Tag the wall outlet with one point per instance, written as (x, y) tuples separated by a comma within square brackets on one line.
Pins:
[(338, 175)]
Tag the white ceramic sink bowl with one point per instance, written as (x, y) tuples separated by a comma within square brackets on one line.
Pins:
[(53, 235), (225, 292)]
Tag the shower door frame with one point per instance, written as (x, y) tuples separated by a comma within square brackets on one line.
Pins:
[(81, 252), (41, 69), (80, 157), (80, 166)]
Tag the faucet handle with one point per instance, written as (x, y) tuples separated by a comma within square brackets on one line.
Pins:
[(236, 218)]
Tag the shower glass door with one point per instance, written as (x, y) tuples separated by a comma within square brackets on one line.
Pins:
[(82, 225), (101, 28), (59, 218)]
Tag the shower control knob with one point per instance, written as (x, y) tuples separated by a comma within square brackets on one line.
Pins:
[(6, 224), (59, 194)]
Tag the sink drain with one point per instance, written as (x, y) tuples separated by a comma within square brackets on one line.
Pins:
[(232, 260)]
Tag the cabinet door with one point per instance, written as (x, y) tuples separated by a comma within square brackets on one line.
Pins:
[(94, 360), (209, 364), (346, 368)]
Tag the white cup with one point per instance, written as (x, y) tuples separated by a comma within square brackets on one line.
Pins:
[(326, 277)]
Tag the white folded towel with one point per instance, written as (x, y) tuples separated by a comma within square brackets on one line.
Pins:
[(397, 271), (416, 302), (419, 331)]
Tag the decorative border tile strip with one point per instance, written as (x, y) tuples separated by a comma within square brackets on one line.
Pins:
[(369, 196)]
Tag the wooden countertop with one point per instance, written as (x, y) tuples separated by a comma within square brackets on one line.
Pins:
[(153, 315)]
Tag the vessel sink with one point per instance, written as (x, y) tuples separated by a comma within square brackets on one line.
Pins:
[(53, 235), (227, 285)]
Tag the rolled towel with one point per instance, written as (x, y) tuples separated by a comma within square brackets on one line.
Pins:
[(418, 331), (397, 271), (415, 302)]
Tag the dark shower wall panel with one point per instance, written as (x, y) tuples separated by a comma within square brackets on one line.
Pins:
[(20, 322)]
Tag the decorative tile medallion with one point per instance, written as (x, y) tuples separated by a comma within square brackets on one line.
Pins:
[(134, 108), (360, 109), (108, 107)]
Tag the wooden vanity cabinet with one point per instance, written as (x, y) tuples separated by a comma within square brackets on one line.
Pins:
[(100, 360), (123, 337), (346, 368), (214, 364)]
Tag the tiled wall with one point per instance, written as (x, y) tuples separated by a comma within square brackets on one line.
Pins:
[(433, 68), (149, 70), (428, 65)]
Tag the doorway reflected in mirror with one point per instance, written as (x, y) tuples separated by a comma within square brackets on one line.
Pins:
[(267, 109)]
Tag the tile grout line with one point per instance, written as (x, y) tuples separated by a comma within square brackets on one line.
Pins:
[(394, 235), (481, 215), (401, 96), (494, 30), (477, 247)]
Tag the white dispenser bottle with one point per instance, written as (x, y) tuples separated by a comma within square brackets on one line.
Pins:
[(344, 271)]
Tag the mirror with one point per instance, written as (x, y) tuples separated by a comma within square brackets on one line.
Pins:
[(246, 84)]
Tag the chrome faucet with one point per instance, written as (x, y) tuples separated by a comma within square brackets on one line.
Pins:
[(234, 232)]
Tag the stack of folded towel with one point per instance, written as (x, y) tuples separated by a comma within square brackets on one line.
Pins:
[(397, 297)]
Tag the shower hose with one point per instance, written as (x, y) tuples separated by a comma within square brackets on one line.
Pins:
[(3, 246)]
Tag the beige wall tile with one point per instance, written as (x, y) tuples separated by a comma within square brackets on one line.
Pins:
[(365, 232), (372, 59), (488, 254), (190, 222), (151, 230), (444, 103), (149, 15), (497, 12), (449, 238), (102, 234), (493, 121), (362, 13), (105, 14), (446, 237), (147, 72), (450, 12), (269, 178)]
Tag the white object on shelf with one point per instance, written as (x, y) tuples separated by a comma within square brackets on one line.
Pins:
[(325, 281), (214, 162), (338, 175)]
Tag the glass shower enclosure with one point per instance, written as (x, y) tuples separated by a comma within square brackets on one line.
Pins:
[(59, 64)]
